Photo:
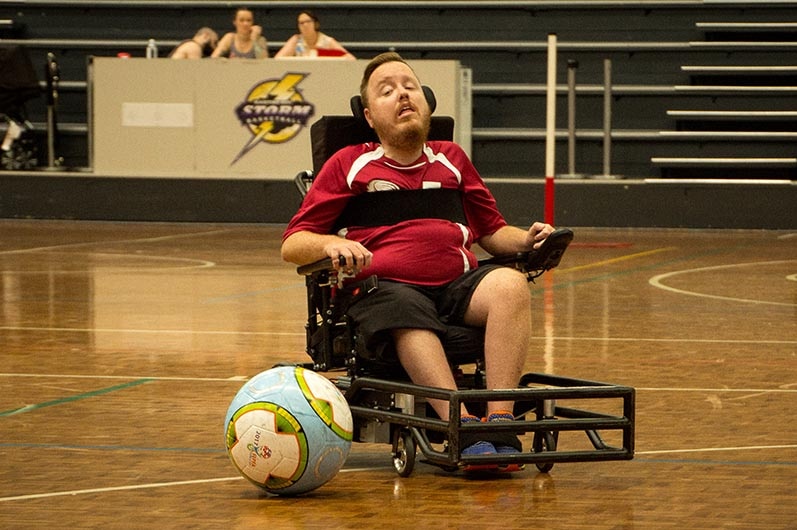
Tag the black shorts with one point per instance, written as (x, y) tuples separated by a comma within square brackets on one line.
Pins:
[(396, 305)]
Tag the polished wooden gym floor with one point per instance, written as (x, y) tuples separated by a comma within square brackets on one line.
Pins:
[(122, 344)]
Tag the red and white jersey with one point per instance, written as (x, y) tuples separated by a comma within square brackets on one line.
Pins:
[(427, 252)]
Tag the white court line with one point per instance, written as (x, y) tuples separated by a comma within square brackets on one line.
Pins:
[(237, 378), (296, 334), (689, 341), (138, 487), (656, 281), (349, 470), (154, 331), (740, 390), (114, 242), (115, 488), (131, 377), (194, 264)]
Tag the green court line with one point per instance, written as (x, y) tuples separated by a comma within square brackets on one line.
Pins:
[(86, 395)]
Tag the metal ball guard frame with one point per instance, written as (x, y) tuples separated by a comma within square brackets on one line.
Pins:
[(387, 408)]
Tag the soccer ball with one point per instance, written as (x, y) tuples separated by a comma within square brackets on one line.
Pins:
[(288, 430)]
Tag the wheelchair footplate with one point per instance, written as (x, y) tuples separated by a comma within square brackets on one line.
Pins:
[(549, 413)]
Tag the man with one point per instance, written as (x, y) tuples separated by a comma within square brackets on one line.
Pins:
[(428, 275), (201, 45)]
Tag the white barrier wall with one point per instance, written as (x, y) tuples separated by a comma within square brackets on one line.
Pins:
[(240, 118)]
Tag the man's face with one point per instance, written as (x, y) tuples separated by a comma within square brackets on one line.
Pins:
[(208, 42), (209, 45), (397, 108)]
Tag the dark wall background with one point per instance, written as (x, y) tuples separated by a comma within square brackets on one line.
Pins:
[(505, 46)]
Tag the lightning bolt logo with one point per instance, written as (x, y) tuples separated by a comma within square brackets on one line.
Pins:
[(274, 111)]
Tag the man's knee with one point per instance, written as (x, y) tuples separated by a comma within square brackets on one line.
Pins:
[(509, 286), (502, 291)]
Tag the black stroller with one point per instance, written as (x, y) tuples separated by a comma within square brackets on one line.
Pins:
[(18, 84)]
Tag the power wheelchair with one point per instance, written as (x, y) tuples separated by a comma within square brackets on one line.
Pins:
[(388, 408)]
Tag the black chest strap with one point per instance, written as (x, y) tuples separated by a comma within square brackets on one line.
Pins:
[(383, 208)]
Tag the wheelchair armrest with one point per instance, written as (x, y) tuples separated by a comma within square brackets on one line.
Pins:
[(323, 272), (535, 262), (322, 265)]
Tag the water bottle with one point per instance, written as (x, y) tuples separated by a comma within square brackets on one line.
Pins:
[(152, 49)]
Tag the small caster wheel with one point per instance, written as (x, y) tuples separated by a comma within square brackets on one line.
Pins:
[(403, 452), (544, 441)]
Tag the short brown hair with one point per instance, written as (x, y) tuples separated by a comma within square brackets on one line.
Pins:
[(376, 62), (313, 17)]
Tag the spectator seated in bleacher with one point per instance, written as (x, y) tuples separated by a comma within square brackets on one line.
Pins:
[(201, 45), (310, 42), (247, 41)]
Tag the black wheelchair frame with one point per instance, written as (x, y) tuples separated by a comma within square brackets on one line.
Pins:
[(18, 85), (388, 408)]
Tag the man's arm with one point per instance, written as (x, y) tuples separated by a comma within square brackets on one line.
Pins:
[(305, 247), (509, 239)]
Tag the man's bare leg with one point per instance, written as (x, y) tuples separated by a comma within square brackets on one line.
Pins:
[(502, 303), (422, 356)]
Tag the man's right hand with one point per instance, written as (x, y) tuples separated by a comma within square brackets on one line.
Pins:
[(355, 257)]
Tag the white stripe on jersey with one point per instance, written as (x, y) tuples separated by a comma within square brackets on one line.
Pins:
[(465, 234), (362, 161), (440, 157)]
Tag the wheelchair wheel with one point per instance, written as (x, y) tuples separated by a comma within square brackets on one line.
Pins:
[(21, 156), (403, 452), (544, 441)]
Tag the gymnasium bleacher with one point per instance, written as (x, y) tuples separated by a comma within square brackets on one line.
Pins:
[(702, 115)]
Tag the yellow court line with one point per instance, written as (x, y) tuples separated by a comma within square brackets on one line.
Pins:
[(618, 259), (716, 449)]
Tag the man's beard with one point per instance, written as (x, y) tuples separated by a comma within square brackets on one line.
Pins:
[(407, 136)]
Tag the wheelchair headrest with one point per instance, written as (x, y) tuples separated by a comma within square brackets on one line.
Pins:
[(357, 109)]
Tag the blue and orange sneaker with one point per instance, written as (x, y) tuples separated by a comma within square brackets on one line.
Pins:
[(506, 443), (477, 448)]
